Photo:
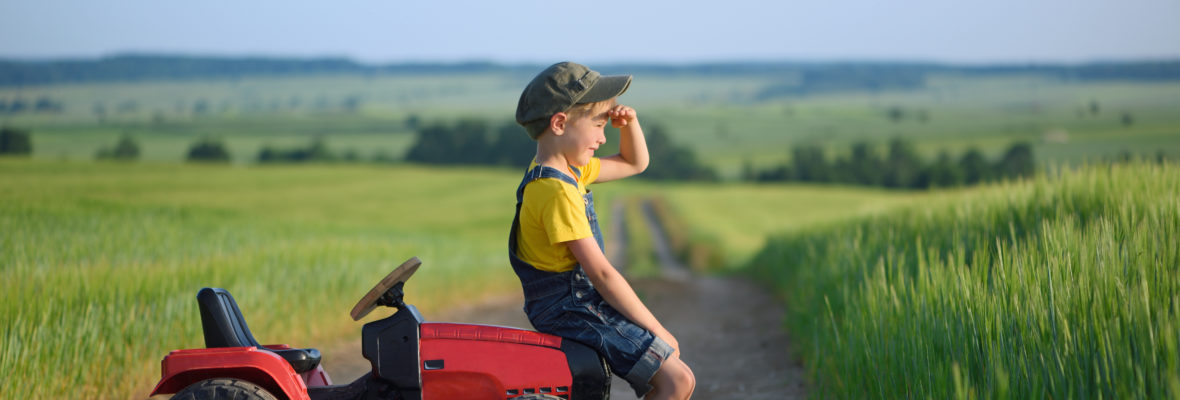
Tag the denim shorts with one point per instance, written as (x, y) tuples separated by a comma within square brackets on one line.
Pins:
[(578, 312)]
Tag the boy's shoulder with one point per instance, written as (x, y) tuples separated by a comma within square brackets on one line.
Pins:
[(582, 176), (547, 190)]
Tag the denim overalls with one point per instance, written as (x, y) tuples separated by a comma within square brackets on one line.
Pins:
[(567, 305)]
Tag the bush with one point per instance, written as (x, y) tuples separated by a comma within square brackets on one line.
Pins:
[(15, 142), (126, 150), (208, 150), (317, 150)]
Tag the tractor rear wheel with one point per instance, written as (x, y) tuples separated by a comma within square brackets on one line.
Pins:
[(223, 388)]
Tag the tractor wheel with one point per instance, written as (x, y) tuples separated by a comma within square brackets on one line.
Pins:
[(223, 388)]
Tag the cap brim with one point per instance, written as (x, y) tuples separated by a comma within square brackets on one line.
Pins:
[(608, 87)]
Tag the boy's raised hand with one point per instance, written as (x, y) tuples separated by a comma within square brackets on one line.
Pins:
[(621, 115)]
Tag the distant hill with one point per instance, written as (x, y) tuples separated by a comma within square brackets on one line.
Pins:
[(812, 76), (137, 68)]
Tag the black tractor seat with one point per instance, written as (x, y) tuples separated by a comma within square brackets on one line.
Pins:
[(225, 327)]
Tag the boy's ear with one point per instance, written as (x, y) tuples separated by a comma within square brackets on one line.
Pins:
[(557, 123)]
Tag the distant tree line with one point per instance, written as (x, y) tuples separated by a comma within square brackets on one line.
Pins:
[(149, 67), (471, 141), (43, 105), (474, 142), (901, 167), (813, 77), (315, 151)]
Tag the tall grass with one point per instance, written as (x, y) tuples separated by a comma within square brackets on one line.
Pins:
[(100, 263), (1063, 287)]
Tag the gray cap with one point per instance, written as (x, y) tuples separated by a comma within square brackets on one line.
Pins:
[(560, 87)]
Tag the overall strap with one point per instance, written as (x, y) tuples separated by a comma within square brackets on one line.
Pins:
[(541, 171), (535, 282)]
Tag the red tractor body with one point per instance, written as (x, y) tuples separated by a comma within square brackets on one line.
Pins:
[(411, 360), (490, 362)]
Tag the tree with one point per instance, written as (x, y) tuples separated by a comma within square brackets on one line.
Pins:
[(464, 143), (208, 150), (316, 150), (15, 142), (125, 150), (864, 165), (511, 145), (942, 173), (810, 164), (1017, 162), (903, 166), (974, 166)]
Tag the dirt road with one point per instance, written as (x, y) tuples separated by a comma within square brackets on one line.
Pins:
[(730, 330)]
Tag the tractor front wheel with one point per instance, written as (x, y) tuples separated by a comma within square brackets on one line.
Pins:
[(223, 388)]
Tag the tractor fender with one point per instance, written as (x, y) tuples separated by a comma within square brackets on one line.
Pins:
[(260, 367)]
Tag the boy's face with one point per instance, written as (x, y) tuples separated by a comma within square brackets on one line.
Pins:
[(583, 135)]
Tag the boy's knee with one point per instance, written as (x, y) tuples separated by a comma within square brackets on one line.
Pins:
[(686, 379), (678, 379)]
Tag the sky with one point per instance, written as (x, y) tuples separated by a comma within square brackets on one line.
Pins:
[(661, 31)]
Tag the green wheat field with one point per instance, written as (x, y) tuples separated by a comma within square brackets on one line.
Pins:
[(1065, 285), (1062, 287)]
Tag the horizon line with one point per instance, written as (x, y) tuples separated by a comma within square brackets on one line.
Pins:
[(533, 63)]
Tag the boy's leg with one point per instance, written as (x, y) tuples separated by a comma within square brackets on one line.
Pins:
[(674, 380)]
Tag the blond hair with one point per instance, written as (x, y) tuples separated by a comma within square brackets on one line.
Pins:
[(582, 110)]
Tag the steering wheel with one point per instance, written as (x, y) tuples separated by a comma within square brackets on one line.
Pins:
[(399, 275)]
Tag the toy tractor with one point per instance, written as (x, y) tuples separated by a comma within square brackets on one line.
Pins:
[(411, 359)]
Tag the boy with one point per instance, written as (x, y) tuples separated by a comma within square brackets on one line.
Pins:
[(555, 245)]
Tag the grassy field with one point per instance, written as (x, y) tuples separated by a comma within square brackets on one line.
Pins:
[(721, 117), (739, 217), (1062, 287), (102, 261)]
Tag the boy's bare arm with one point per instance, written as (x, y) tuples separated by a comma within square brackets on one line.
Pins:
[(615, 289), (632, 158)]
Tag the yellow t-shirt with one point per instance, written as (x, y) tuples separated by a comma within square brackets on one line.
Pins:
[(554, 212)]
